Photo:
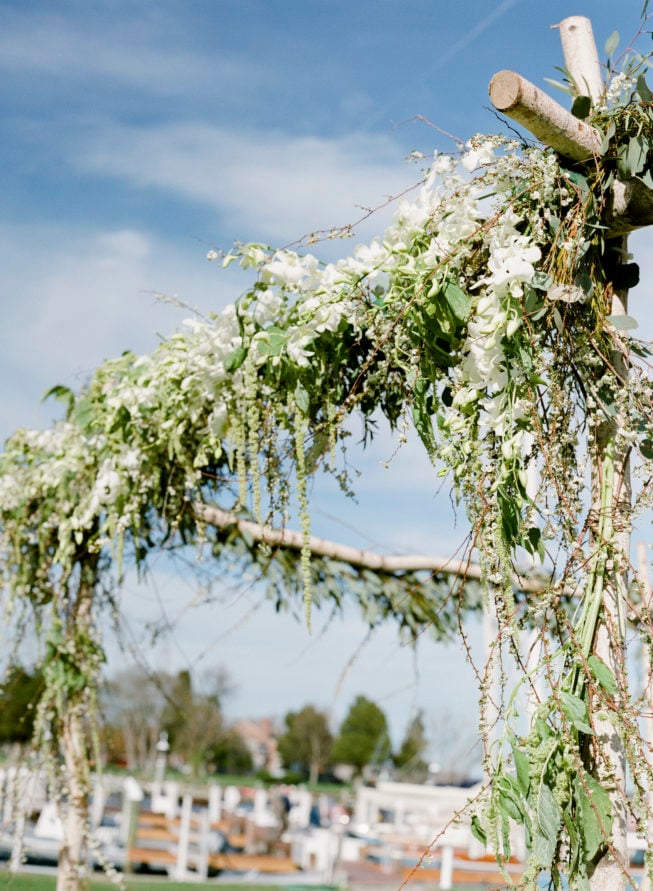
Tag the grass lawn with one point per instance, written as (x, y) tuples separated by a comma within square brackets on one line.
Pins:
[(40, 882)]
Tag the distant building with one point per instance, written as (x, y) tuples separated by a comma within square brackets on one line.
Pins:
[(258, 736)]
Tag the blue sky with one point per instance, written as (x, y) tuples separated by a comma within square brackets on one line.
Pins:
[(136, 136)]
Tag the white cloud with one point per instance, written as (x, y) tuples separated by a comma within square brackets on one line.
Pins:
[(269, 185)]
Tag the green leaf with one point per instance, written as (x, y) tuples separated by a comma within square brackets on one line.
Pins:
[(611, 43), (643, 89), (511, 799), (61, 394), (556, 83), (273, 342), (522, 768), (646, 448), (546, 826), (235, 360), (458, 301), (638, 149), (534, 543), (596, 814), (477, 830), (301, 399), (576, 711), (647, 178), (541, 281), (607, 136), (622, 323), (581, 107), (602, 674), (579, 179)]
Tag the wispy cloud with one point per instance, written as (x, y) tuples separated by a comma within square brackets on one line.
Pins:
[(54, 48), (264, 185)]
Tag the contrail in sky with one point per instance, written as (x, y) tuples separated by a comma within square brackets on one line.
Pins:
[(441, 60), (471, 36)]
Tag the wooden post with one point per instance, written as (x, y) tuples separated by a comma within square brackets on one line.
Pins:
[(578, 142), (647, 682), (545, 118), (610, 642), (581, 57), (183, 844), (582, 61), (73, 868)]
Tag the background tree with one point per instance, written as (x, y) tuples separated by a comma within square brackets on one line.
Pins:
[(193, 717), (229, 754), (177, 709), (19, 696), (363, 738), (307, 741), (134, 701), (408, 759)]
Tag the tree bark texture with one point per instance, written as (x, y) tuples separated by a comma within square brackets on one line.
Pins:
[(610, 642), (74, 806)]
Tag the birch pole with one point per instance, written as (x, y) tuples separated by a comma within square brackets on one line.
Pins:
[(647, 681), (611, 457), (74, 811), (578, 141)]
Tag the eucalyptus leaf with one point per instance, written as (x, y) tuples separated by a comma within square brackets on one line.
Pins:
[(638, 149), (643, 89), (622, 323), (556, 83), (301, 398), (611, 43)]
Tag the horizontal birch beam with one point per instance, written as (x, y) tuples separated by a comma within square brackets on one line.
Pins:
[(631, 205), (545, 118), (360, 558)]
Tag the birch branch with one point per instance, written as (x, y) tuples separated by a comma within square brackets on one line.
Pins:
[(364, 559), (546, 119), (581, 56)]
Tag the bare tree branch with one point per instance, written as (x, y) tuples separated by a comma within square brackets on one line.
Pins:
[(322, 547)]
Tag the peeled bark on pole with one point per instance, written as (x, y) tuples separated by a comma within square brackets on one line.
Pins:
[(610, 642), (72, 868), (581, 56), (581, 59), (647, 675)]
